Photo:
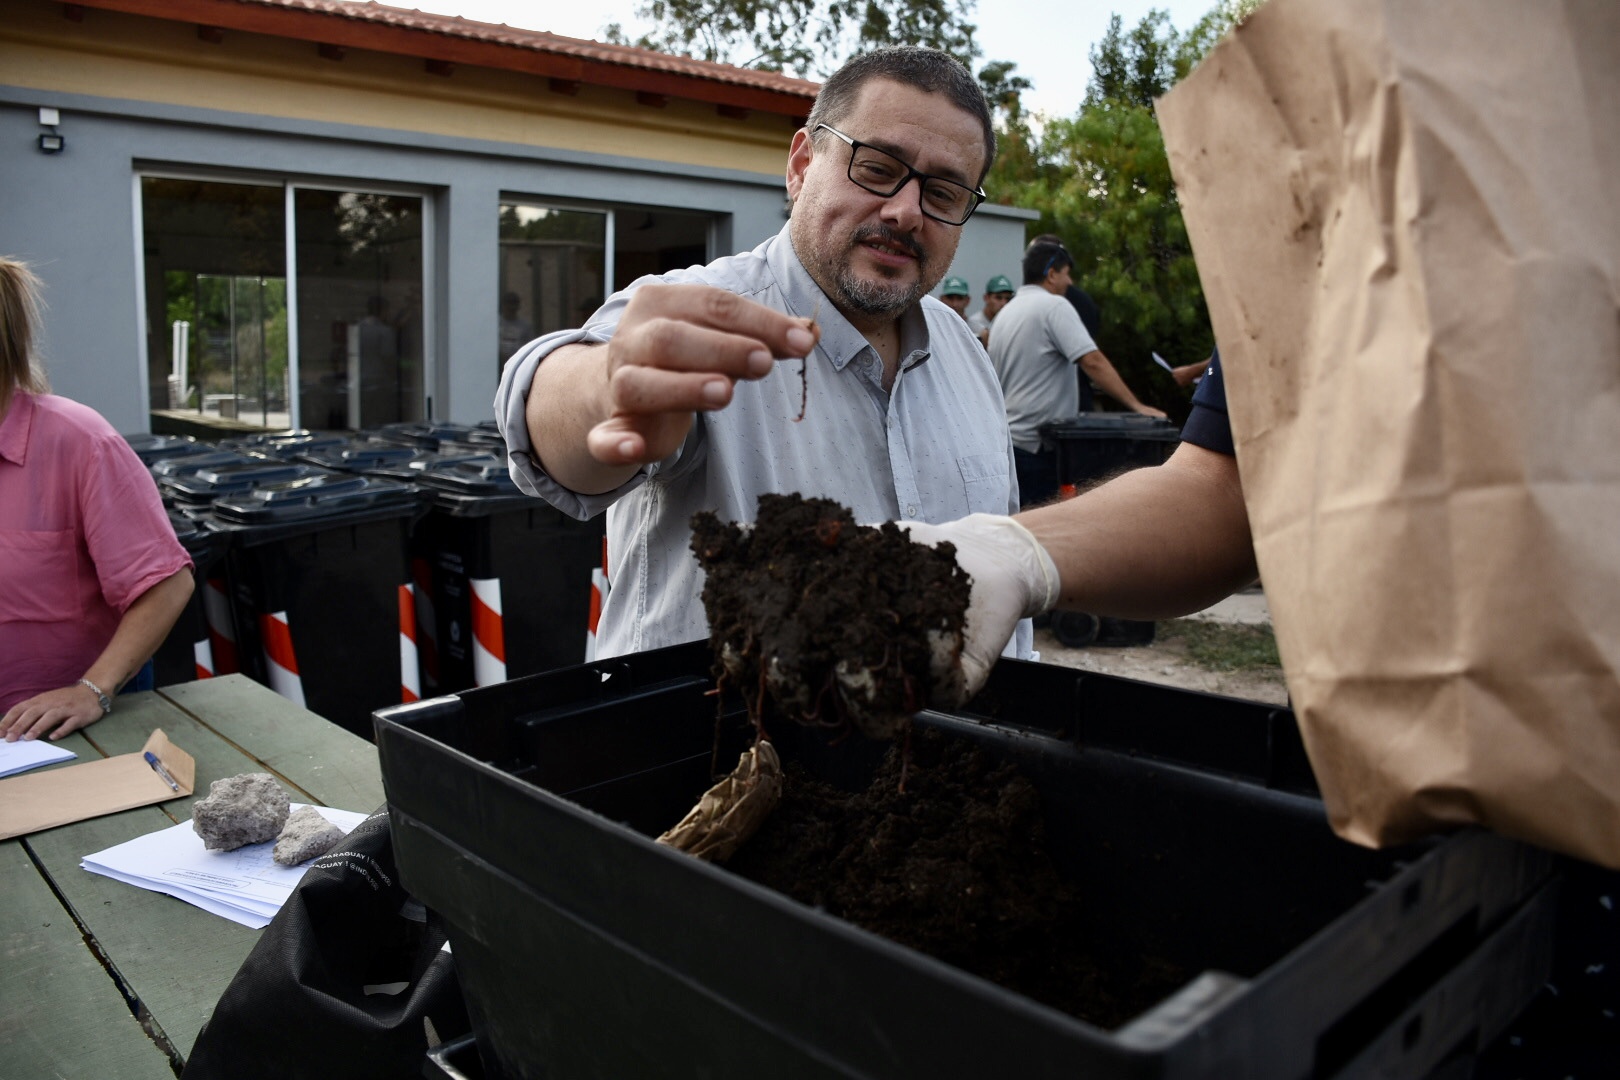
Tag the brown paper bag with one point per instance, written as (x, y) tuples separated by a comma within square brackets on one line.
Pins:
[(1407, 221)]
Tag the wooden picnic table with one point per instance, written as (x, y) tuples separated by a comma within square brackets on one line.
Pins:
[(104, 981)]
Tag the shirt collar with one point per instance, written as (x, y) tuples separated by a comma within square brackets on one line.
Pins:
[(840, 341), (15, 427)]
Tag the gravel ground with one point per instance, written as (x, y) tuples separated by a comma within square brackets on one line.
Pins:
[(1167, 662)]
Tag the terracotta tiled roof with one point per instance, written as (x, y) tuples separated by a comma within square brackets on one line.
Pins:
[(450, 39), (501, 34)]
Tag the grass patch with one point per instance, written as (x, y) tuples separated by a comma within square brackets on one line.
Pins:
[(1223, 646)]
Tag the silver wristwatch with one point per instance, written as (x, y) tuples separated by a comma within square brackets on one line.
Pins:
[(105, 701)]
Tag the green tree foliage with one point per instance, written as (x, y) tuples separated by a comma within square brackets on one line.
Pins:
[(807, 38), (1101, 181)]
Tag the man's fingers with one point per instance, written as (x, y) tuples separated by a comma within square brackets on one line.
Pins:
[(704, 306), (676, 345), (653, 390)]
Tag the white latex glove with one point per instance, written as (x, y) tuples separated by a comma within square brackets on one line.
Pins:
[(1013, 578)]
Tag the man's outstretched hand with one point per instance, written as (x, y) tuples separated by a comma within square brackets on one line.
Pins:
[(1013, 578)]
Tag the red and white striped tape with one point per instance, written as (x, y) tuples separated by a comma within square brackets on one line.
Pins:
[(203, 658), (489, 632), (410, 678), (221, 629), (281, 665), (599, 594)]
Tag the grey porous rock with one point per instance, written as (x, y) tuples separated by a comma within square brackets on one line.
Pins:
[(306, 835), (246, 809)]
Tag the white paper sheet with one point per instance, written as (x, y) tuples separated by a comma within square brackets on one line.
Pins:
[(246, 885), (20, 756)]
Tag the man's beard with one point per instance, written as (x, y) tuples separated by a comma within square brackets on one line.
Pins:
[(880, 298)]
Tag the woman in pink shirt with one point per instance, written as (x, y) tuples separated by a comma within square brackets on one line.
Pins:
[(91, 575)]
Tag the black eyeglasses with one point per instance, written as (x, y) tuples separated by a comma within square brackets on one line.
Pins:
[(883, 174)]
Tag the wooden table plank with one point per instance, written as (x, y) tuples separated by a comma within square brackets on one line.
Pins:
[(175, 958), (332, 765), (52, 984)]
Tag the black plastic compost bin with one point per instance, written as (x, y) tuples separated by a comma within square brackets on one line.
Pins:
[(523, 814), (1092, 447), (317, 568), (187, 653), (509, 577)]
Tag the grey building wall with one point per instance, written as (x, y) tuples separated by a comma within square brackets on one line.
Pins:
[(74, 216)]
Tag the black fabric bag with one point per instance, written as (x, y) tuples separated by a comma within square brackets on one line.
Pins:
[(344, 982)]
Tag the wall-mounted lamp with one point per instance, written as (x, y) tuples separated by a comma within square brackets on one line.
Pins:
[(52, 141)]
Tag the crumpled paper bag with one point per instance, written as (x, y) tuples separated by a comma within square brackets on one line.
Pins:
[(1406, 217), (733, 810)]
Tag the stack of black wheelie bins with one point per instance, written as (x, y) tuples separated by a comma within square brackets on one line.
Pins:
[(349, 573), (524, 815)]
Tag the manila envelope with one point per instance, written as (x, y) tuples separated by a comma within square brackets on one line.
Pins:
[(44, 800)]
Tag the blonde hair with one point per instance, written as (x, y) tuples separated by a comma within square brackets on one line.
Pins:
[(20, 308)]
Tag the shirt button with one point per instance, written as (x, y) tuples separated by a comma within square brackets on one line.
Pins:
[(911, 511)]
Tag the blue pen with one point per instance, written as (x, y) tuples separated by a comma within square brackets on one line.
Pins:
[(152, 760)]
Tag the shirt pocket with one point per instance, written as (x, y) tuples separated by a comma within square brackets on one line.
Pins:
[(39, 575), (986, 482)]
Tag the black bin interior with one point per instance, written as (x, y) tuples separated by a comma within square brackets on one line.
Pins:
[(523, 813)]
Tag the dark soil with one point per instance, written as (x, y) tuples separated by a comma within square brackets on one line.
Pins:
[(956, 867), (827, 622)]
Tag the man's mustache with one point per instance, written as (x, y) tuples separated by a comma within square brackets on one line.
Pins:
[(884, 234)]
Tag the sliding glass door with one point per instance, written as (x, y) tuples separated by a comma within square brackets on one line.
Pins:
[(340, 343)]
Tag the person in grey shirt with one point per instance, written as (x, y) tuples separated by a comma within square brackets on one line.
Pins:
[(670, 399), (1038, 340)]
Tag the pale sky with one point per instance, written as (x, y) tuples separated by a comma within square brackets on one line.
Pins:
[(1047, 39)]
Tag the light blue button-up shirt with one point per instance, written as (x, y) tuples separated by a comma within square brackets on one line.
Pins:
[(933, 448)]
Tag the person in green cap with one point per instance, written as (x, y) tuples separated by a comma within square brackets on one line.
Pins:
[(997, 291), (955, 293)]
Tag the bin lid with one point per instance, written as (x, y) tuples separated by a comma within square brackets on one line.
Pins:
[(190, 463), (1112, 426), (152, 448), (479, 484), (194, 535), (285, 444), (319, 494), (478, 474), (359, 457), (422, 434), (186, 529), (215, 482)]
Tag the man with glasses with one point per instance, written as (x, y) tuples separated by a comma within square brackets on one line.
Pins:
[(672, 399), (1038, 341)]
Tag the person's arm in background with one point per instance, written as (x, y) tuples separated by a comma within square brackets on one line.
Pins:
[(1188, 374), (144, 625), (597, 413), (1153, 543), (1100, 370)]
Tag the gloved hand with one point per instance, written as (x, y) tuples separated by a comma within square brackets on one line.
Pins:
[(1013, 578)]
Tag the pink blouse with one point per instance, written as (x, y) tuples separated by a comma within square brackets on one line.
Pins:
[(82, 535)]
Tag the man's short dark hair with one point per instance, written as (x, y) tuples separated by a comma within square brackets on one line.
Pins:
[(1042, 259), (928, 70), (1046, 238)]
